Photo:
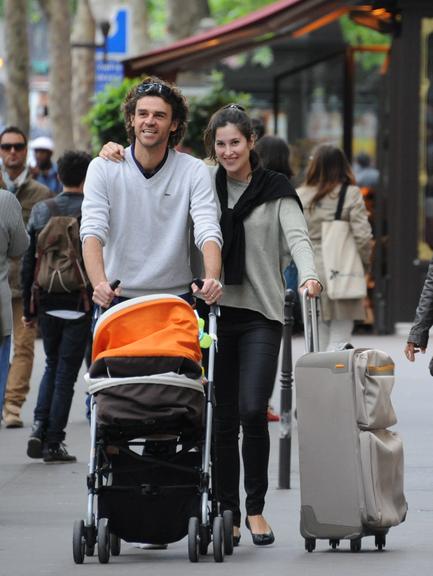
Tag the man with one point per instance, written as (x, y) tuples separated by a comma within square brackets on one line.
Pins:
[(64, 316), (137, 213), (45, 170), (13, 153), (13, 243)]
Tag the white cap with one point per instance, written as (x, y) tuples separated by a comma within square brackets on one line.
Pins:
[(42, 143)]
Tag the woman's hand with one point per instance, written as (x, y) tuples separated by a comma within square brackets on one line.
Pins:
[(313, 287), (112, 151), (411, 349), (211, 291)]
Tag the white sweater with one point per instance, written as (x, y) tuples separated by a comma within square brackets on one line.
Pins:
[(144, 223)]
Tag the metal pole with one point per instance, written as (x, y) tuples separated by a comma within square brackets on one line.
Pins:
[(286, 393)]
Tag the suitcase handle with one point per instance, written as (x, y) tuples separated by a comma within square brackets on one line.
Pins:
[(311, 322)]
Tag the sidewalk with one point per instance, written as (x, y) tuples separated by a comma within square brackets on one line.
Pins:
[(39, 503)]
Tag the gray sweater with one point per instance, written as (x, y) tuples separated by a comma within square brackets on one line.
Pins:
[(144, 223), (275, 233), (13, 243)]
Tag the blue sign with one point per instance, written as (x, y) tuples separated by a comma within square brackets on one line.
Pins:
[(109, 72), (117, 41)]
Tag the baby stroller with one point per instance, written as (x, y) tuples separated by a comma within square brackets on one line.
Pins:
[(151, 468)]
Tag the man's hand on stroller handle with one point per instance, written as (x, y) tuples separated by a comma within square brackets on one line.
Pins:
[(209, 289), (104, 292)]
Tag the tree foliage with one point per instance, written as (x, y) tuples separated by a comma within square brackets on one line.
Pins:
[(202, 108), (105, 118), (224, 11), (357, 35)]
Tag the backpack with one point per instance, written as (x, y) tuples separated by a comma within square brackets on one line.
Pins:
[(59, 265)]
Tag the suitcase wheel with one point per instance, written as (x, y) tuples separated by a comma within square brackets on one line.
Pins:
[(310, 544), (355, 545), (380, 541), (334, 543)]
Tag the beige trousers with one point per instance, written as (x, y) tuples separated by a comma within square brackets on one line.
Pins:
[(18, 384)]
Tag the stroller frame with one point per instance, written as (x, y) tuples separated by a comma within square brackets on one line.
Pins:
[(209, 526)]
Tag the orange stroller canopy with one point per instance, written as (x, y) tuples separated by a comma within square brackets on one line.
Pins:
[(157, 325)]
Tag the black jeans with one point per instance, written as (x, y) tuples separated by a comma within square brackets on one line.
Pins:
[(245, 368), (64, 344)]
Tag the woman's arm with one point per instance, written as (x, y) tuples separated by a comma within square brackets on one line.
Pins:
[(360, 226), (295, 231)]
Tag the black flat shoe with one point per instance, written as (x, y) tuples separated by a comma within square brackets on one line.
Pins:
[(236, 540), (260, 539)]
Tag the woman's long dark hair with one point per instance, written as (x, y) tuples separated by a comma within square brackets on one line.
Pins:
[(274, 154), (328, 169)]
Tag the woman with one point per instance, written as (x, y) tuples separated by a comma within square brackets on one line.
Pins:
[(274, 154), (263, 226), (13, 243), (327, 172)]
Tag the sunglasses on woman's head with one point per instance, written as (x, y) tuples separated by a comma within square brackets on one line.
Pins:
[(154, 88), (18, 147)]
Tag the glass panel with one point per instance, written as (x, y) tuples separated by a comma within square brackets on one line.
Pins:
[(425, 221), (311, 110)]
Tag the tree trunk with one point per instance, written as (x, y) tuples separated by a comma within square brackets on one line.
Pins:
[(182, 23), (59, 94), (17, 59), (83, 73), (140, 42)]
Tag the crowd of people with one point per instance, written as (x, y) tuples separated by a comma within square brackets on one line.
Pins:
[(141, 210)]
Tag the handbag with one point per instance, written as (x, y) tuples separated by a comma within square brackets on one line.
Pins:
[(344, 272)]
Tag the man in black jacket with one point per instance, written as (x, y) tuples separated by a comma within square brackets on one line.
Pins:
[(64, 321)]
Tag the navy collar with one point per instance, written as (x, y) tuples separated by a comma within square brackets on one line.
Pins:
[(148, 173)]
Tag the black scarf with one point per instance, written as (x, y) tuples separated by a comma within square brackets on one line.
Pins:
[(265, 186)]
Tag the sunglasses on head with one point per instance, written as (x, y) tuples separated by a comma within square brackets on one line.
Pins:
[(18, 147), (234, 107), (154, 88)]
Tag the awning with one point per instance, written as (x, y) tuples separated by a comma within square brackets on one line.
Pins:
[(283, 18)]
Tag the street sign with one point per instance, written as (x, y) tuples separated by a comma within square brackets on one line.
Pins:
[(110, 71), (118, 37), (107, 72)]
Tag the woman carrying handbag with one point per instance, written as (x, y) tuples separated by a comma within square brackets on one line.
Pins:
[(342, 241)]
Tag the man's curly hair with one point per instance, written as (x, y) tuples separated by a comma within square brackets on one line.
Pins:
[(170, 94)]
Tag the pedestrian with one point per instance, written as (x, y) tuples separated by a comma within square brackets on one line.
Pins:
[(366, 175), (13, 243), (63, 314), (274, 154), (45, 169), (17, 178), (137, 213), (327, 172), (419, 333), (263, 226)]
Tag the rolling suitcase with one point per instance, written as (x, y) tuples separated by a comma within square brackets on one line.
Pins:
[(350, 464)]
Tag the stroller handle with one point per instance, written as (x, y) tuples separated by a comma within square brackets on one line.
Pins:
[(214, 308)]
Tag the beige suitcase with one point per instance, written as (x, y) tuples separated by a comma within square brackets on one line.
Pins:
[(350, 464)]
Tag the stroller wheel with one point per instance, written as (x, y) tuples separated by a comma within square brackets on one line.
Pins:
[(114, 545), (204, 532), (103, 541), (193, 539), (78, 542), (218, 539), (228, 532)]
